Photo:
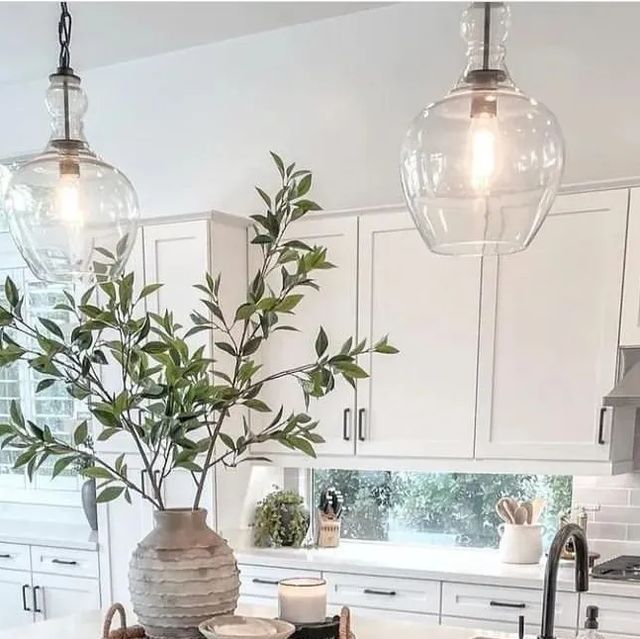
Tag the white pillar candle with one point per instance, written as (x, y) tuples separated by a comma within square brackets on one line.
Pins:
[(302, 600)]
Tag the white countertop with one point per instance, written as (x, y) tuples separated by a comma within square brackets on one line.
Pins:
[(88, 625), (35, 533), (468, 565)]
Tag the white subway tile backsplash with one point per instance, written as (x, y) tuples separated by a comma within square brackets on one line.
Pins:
[(619, 514), (615, 528)]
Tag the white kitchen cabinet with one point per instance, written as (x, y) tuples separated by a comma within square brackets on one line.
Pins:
[(549, 336), (60, 595), (15, 597), (486, 603), (619, 615), (383, 593), (261, 582), (420, 402), (630, 322), (334, 308)]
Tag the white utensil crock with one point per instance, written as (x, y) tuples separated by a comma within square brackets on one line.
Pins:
[(520, 544)]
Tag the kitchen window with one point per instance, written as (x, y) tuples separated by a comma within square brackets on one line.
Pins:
[(53, 406), (445, 509)]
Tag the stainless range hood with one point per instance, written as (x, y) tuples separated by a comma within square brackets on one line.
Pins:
[(626, 392)]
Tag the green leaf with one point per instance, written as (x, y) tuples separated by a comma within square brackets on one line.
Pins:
[(97, 472), (25, 458), (109, 494), (81, 433), (302, 445), (288, 303), (107, 433), (60, 465), (105, 418), (11, 292), (103, 251), (16, 413), (322, 342), (251, 346), (148, 290), (227, 348), (245, 311), (154, 348), (258, 405), (279, 163), (228, 441), (121, 246), (351, 369), (266, 199), (304, 185)]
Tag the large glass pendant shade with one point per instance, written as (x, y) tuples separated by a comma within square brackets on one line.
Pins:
[(481, 167), (72, 215)]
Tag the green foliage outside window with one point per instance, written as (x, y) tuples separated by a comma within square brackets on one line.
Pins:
[(437, 508)]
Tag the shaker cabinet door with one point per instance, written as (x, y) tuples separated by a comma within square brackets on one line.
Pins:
[(334, 308), (421, 401), (16, 607), (549, 335), (60, 596), (630, 323)]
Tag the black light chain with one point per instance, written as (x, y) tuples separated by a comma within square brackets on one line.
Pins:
[(64, 38)]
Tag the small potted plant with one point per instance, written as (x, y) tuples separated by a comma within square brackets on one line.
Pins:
[(281, 520)]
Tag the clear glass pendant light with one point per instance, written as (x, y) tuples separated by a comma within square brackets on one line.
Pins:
[(72, 215), (481, 167)]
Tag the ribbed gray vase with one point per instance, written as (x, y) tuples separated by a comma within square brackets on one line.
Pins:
[(181, 574)]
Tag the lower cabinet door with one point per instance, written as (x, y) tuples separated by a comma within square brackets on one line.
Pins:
[(58, 596), (15, 598), (532, 626), (616, 614)]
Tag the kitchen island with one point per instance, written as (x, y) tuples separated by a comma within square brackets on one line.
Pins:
[(377, 625)]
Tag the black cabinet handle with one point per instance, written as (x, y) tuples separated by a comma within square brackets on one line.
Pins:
[(24, 598), (375, 591), (65, 562), (507, 604), (267, 582), (361, 435), (346, 425), (603, 412), (35, 599), (6, 556)]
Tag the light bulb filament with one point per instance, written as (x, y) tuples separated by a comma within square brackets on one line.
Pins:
[(484, 136)]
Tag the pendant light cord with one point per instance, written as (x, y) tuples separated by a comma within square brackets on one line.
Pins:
[(64, 39), (487, 36)]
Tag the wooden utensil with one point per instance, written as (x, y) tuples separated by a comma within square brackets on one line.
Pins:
[(504, 508), (528, 506), (520, 516), (537, 506)]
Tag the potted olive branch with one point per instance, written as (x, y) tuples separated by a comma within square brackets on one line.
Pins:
[(173, 400)]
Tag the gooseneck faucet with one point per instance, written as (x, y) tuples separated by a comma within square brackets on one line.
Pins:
[(570, 531)]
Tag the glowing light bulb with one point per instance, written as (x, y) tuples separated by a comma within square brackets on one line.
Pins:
[(68, 199), (484, 142)]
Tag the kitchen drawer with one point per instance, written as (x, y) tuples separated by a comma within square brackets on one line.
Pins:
[(408, 595), (532, 626), (64, 561), (262, 581), (617, 614), (497, 603), (14, 557)]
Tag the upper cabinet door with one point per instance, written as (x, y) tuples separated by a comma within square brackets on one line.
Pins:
[(177, 255), (420, 402), (334, 308), (549, 335), (630, 325)]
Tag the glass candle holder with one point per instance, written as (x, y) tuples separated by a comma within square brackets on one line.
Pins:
[(302, 600)]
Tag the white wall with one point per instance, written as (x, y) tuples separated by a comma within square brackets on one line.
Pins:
[(192, 128)]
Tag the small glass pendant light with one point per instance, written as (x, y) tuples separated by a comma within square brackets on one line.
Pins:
[(481, 167), (72, 215)]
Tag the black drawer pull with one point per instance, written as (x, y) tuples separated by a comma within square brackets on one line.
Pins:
[(361, 433), (603, 412), (266, 582), (24, 598), (507, 604), (346, 424), (35, 599), (65, 562), (375, 591), (6, 556)]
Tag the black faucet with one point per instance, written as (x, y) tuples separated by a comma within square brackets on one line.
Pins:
[(551, 573)]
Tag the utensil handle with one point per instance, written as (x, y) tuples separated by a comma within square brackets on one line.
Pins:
[(507, 604)]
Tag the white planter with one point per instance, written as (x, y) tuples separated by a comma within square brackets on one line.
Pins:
[(181, 574)]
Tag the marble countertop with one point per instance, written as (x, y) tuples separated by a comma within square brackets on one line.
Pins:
[(88, 625), (467, 565), (36, 533)]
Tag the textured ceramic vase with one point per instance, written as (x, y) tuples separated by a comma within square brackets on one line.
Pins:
[(181, 574), (89, 503)]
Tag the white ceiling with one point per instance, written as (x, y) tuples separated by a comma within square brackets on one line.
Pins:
[(111, 32)]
